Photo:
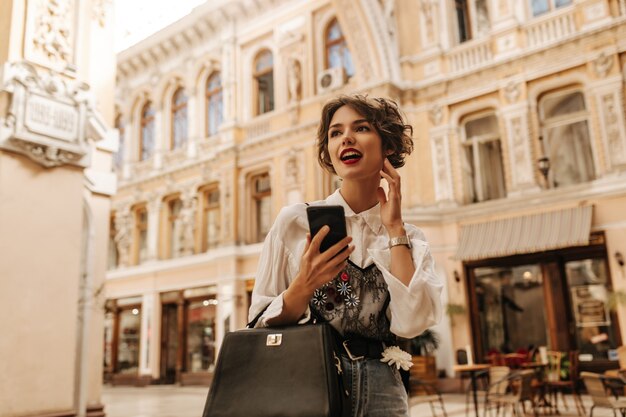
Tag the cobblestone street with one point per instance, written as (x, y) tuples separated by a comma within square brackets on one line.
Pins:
[(172, 401)]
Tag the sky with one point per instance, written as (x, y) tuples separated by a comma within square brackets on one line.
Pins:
[(137, 19)]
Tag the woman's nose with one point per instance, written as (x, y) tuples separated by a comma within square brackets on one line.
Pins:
[(347, 137)]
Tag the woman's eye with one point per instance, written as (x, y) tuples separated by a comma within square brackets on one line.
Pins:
[(334, 133), (362, 128)]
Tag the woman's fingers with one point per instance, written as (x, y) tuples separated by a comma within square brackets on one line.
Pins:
[(336, 248), (318, 238)]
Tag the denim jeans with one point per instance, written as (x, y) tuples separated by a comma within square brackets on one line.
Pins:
[(376, 388)]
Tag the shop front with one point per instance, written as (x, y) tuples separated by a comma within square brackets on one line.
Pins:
[(122, 334), (188, 350), (557, 298)]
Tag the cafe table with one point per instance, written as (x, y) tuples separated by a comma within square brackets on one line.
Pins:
[(473, 370)]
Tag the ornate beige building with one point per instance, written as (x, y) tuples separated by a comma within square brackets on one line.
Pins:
[(217, 114), (57, 74)]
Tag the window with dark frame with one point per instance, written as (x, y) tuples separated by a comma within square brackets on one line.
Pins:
[(146, 143), (463, 20), (264, 80), (482, 161), (337, 51), (179, 119), (566, 138), (214, 104), (261, 197)]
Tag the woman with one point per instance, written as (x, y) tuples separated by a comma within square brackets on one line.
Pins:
[(383, 285)]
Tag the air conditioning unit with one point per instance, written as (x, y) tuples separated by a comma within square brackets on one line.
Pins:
[(330, 79)]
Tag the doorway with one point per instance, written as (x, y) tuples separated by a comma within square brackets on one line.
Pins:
[(169, 343)]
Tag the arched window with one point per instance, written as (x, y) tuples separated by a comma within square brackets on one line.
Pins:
[(337, 52), (118, 157), (482, 160), (264, 80), (566, 138), (179, 119), (146, 145), (214, 104)]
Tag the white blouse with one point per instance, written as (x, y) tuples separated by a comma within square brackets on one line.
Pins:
[(411, 310)]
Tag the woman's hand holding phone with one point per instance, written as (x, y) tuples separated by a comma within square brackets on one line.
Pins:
[(318, 268)]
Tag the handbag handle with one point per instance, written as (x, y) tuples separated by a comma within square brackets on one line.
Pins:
[(315, 318)]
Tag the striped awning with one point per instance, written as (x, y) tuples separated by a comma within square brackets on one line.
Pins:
[(525, 234)]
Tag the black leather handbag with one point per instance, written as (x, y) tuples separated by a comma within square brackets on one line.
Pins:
[(289, 371)]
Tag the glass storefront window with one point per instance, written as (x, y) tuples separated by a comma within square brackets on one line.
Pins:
[(201, 335), (128, 343), (511, 306), (587, 281)]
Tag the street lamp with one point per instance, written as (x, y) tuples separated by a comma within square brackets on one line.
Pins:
[(543, 164)]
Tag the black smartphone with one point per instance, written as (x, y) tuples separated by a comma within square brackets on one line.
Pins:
[(334, 217)]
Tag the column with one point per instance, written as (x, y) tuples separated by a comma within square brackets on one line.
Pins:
[(442, 167), (158, 137), (154, 216), (608, 94), (519, 155), (146, 343), (229, 78), (193, 123)]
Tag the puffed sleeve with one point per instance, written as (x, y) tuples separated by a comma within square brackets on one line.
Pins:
[(274, 273), (415, 307)]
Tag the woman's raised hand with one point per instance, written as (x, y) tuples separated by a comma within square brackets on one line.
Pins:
[(390, 204), (318, 268)]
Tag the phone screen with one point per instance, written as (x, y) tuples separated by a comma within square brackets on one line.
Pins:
[(334, 217)]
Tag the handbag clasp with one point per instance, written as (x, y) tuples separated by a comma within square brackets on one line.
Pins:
[(274, 339)]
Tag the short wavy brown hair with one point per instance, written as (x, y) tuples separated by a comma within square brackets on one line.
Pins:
[(383, 114)]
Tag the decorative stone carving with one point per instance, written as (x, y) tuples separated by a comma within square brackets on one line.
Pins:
[(49, 118), (427, 9), (512, 91), (441, 165), (123, 232), (435, 114), (294, 80), (100, 9), (188, 223), (602, 64), (389, 11), (52, 34), (613, 129)]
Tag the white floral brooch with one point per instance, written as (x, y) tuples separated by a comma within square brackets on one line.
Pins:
[(393, 355)]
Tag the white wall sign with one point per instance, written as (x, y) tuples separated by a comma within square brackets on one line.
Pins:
[(52, 118)]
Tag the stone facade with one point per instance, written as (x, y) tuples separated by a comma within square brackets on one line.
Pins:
[(510, 67)]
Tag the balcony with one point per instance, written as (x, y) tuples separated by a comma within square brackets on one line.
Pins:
[(550, 29), (469, 56)]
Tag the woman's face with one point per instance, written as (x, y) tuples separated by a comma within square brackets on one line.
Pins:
[(354, 146)]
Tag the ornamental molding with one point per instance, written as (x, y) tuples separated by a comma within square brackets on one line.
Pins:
[(603, 64), (51, 33), (50, 119)]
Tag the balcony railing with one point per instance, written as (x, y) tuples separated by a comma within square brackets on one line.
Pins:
[(469, 56), (550, 28)]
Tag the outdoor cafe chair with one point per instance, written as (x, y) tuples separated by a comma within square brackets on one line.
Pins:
[(556, 386), (430, 395), (520, 393), (597, 390)]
